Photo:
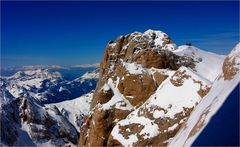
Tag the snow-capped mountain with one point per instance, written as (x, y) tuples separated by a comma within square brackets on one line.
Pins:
[(152, 92), (31, 81), (36, 67), (46, 86), (26, 121)]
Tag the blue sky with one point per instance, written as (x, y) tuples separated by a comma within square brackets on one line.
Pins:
[(66, 33)]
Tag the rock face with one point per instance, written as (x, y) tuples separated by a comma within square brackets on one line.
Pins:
[(231, 64), (146, 91), (25, 117)]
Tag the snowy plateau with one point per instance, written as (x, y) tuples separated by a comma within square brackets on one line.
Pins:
[(147, 91)]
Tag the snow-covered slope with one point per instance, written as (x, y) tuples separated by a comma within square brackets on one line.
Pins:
[(202, 114), (74, 110), (210, 104), (169, 106), (208, 64)]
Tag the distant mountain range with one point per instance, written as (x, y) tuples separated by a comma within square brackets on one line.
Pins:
[(46, 86), (35, 67), (28, 118)]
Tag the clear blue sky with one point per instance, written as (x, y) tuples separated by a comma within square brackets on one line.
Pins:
[(66, 33)]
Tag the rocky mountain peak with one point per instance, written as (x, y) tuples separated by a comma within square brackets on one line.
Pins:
[(134, 70)]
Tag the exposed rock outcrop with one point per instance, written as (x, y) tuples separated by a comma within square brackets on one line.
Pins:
[(134, 70), (231, 63), (24, 115)]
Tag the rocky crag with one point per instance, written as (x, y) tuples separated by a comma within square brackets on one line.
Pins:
[(147, 89)]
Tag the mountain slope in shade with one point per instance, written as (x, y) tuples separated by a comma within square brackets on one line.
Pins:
[(149, 87)]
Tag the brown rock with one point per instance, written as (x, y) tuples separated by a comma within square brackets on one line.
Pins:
[(159, 78), (97, 128), (229, 69), (200, 123), (178, 78), (152, 58), (103, 97), (163, 125), (137, 88)]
